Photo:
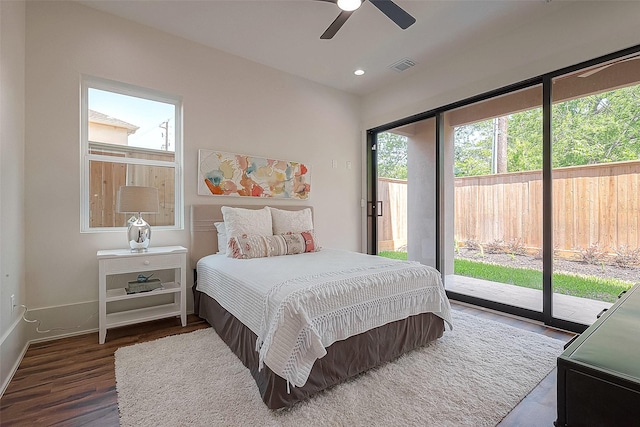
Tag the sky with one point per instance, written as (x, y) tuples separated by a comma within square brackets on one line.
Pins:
[(146, 114)]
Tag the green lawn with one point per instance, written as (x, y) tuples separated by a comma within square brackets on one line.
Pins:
[(394, 255), (592, 287)]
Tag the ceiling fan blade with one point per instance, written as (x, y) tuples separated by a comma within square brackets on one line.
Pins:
[(395, 13), (598, 69), (336, 25)]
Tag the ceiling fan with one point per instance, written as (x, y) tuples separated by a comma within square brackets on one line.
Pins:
[(388, 7), (598, 69)]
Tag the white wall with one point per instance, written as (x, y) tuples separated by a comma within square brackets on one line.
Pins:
[(570, 33), (230, 104), (13, 338)]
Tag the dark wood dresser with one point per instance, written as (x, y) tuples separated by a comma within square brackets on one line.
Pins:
[(599, 372)]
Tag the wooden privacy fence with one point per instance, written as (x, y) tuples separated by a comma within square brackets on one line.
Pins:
[(107, 177), (499, 207), (592, 205), (392, 225)]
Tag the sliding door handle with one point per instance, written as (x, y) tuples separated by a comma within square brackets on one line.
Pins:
[(374, 209)]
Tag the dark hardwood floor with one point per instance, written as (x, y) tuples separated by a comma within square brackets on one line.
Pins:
[(538, 408), (71, 381)]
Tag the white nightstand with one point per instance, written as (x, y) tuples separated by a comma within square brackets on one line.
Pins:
[(123, 261)]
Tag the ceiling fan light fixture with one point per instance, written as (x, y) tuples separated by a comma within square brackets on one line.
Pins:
[(391, 10), (349, 5)]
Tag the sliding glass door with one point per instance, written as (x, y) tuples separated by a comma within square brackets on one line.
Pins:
[(525, 199), (405, 192), (496, 186), (596, 182)]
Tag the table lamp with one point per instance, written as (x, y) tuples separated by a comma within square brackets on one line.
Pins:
[(135, 199)]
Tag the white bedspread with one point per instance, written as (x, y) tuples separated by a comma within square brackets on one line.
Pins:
[(298, 305)]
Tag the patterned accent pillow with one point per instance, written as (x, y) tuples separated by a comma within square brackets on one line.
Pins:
[(252, 246), (287, 222), (240, 221)]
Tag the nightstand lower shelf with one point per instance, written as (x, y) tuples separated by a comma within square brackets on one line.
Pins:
[(121, 293), (129, 317)]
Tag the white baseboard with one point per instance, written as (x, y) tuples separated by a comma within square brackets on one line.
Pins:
[(13, 346), (63, 321), (16, 341)]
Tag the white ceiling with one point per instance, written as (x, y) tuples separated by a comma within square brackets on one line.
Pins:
[(285, 34)]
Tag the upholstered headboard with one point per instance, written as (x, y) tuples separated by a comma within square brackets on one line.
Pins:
[(204, 239)]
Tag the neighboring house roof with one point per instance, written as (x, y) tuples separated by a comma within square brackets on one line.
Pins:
[(97, 117)]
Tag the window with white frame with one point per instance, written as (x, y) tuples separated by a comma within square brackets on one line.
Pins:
[(130, 136)]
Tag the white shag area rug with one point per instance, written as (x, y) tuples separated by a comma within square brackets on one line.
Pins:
[(472, 376)]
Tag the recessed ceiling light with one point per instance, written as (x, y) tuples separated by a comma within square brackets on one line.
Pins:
[(358, 72)]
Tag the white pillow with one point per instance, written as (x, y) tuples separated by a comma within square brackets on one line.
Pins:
[(239, 221), (290, 222), (223, 240)]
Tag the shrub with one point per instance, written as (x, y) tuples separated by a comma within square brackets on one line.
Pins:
[(539, 253), (515, 247), (593, 255), (472, 244), (495, 247), (626, 257)]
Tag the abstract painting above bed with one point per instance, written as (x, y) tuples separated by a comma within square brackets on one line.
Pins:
[(228, 174)]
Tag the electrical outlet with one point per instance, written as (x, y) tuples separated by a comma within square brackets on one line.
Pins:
[(13, 303)]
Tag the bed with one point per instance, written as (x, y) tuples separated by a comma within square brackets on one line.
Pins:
[(303, 323)]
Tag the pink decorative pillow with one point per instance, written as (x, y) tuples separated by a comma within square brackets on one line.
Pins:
[(253, 246)]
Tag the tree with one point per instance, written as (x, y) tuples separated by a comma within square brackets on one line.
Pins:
[(472, 149), (524, 142), (392, 155), (501, 127), (599, 128)]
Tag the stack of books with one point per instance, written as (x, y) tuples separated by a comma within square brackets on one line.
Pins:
[(134, 287)]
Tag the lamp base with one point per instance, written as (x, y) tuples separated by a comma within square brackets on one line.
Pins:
[(139, 235)]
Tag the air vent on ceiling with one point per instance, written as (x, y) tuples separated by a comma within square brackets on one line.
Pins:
[(403, 64)]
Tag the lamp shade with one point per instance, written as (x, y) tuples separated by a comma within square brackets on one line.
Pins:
[(133, 198)]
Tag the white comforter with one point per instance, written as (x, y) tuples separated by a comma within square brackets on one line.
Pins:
[(298, 305)]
